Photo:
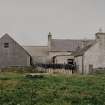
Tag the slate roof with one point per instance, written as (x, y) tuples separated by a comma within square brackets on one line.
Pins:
[(67, 44), (37, 50), (80, 52)]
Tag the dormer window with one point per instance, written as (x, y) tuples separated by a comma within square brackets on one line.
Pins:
[(6, 45)]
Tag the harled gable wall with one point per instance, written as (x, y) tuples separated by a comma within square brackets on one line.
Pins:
[(91, 58), (14, 55), (94, 57)]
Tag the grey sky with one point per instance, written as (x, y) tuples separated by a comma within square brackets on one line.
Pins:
[(29, 21)]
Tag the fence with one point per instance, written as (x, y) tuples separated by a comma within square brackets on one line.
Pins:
[(57, 68)]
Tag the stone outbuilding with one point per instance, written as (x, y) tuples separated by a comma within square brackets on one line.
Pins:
[(12, 54)]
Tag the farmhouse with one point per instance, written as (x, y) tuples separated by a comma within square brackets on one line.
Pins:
[(60, 50), (92, 56), (87, 54), (57, 51), (12, 54)]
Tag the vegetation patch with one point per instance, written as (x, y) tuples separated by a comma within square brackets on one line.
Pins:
[(16, 89)]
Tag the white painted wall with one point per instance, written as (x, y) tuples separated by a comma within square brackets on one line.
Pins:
[(91, 57), (51, 54), (60, 58), (95, 55), (63, 59)]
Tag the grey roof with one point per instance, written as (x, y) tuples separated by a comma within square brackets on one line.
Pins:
[(80, 52), (67, 44), (37, 50)]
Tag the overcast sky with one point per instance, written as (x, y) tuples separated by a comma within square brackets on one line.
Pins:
[(29, 21)]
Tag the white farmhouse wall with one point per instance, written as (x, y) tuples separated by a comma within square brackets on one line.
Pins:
[(96, 54), (63, 59), (52, 54), (91, 57), (59, 59), (100, 38), (102, 51)]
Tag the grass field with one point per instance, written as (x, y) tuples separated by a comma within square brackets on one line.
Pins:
[(16, 89)]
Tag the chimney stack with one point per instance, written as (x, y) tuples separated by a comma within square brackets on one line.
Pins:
[(100, 36), (100, 39), (84, 43), (49, 40)]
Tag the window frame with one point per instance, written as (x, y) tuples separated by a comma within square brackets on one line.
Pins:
[(6, 45)]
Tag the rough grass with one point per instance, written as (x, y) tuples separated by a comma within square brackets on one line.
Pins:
[(16, 89)]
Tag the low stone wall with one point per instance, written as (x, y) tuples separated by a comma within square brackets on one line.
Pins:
[(98, 71), (18, 69)]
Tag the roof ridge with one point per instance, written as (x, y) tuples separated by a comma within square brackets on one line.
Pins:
[(7, 35), (33, 46), (73, 39)]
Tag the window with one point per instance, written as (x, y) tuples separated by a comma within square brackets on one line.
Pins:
[(6, 45), (70, 61)]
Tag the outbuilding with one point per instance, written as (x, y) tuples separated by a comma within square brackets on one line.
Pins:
[(12, 54)]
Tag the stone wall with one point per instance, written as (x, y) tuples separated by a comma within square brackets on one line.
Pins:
[(13, 54)]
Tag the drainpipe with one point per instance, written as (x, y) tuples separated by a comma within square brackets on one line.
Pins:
[(83, 64)]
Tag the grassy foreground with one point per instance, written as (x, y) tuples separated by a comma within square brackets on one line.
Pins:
[(16, 89)]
